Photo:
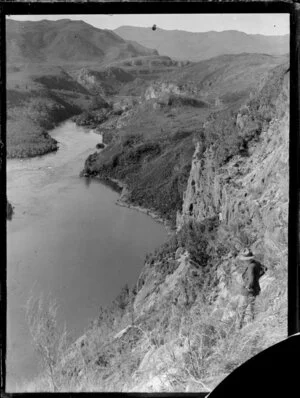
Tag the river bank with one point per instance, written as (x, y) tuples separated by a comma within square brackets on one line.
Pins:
[(90, 250), (123, 200)]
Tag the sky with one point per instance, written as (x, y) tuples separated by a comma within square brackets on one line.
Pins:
[(265, 24)]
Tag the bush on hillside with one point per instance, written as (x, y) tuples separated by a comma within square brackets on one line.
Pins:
[(177, 100), (98, 103), (9, 211), (182, 134), (148, 149), (91, 118), (195, 236), (49, 340), (129, 140), (163, 258)]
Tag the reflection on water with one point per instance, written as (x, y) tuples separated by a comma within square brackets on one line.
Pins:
[(69, 239)]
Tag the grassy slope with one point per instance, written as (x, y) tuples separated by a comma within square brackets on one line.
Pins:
[(229, 78), (152, 156), (41, 93), (157, 179), (167, 330), (66, 41), (188, 339), (39, 96), (38, 99)]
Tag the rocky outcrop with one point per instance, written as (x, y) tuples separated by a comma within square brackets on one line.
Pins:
[(178, 329), (89, 80), (172, 94), (105, 81), (249, 194), (183, 320), (157, 90), (249, 197)]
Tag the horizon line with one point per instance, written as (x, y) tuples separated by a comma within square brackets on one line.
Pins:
[(149, 27)]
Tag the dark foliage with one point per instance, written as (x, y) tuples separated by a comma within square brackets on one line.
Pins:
[(195, 237), (91, 118), (9, 211)]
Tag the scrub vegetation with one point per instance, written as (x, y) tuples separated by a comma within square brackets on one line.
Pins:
[(177, 329), (152, 156), (36, 104), (205, 146)]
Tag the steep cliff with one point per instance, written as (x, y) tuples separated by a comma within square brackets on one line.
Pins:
[(242, 203), (178, 328)]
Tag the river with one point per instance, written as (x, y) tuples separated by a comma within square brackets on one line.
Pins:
[(67, 239)]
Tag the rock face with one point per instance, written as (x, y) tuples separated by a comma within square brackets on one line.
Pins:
[(251, 191), (105, 81), (178, 329), (157, 90), (249, 197), (163, 93)]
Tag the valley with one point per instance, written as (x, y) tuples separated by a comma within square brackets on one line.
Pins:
[(199, 143)]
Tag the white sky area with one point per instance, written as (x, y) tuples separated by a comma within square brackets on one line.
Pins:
[(265, 24)]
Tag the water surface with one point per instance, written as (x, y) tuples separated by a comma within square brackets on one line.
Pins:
[(68, 239)]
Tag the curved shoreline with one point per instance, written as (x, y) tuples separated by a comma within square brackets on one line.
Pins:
[(122, 201)]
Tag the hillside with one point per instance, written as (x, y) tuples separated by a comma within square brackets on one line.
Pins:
[(200, 146), (198, 46), (154, 160), (177, 329), (180, 331), (226, 78), (58, 69), (38, 98), (66, 41)]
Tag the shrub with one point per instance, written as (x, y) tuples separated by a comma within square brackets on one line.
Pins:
[(9, 211), (195, 237), (49, 340), (98, 103), (130, 140)]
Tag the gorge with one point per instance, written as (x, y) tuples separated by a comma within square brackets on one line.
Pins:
[(201, 145)]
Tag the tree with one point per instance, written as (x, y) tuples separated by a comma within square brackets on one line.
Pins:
[(49, 340), (9, 210)]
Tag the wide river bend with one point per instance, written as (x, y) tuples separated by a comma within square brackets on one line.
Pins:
[(68, 239)]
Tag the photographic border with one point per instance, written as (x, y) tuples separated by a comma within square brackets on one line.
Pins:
[(168, 7)]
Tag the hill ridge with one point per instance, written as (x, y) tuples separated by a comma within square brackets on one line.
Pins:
[(66, 41), (209, 31), (197, 46)]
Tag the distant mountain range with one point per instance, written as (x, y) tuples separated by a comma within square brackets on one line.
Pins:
[(66, 41), (192, 46)]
